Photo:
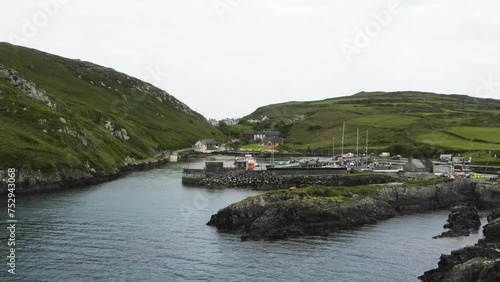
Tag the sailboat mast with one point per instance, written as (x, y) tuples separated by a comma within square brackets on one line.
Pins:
[(366, 148), (343, 130), (357, 143), (333, 147), (273, 156)]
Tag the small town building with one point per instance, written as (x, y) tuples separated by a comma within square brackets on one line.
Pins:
[(272, 141), (213, 122), (416, 165), (205, 146), (442, 169), (446, 157), (251, 135)]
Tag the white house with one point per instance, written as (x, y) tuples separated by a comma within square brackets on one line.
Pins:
[(205, 146)]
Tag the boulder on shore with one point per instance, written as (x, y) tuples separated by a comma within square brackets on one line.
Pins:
[(462, 220)]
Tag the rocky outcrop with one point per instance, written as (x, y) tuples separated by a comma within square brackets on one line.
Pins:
[(66, 130), (120, 134), (280, 214), (480, 262), (408, 199), (488, 193), (462, 220), (29, 181), (278, 218), (29, 88)]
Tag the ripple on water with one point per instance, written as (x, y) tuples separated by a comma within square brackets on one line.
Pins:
[(148, 227)]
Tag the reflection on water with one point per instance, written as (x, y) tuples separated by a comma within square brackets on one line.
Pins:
[(148, 227)]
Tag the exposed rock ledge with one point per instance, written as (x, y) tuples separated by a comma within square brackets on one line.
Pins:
[(64, 178), (480, 262), (462, 220), (317, 211)]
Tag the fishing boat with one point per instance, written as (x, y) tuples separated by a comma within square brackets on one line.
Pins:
[(284, 164), (251, 162)]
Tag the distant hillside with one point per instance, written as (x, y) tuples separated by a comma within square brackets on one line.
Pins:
[(59, 112), (404, 122)]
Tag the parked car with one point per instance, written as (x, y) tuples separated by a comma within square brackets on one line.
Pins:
[(385, 154)]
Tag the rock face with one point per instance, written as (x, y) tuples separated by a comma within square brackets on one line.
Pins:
[(480, 262), (28, 181), (273, 218), (462, 220), (29, 88), (408, 200), (280, 214)]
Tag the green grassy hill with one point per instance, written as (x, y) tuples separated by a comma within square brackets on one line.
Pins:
[(402, 122), (60, 112)]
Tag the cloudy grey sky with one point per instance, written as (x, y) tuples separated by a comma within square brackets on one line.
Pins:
[(225, 58)]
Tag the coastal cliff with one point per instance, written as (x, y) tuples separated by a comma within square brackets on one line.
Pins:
[(320, 210)]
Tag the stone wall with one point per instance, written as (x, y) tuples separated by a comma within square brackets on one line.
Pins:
[(265, 180)]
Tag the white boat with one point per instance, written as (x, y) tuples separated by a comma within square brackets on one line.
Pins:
[(387, 170), (283, 164)]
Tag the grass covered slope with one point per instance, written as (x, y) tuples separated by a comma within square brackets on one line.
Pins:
[(60, 112), (406, 120)]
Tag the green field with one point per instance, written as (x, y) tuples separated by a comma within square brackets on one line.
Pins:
[(482, 134), (257, 148), (417, 123), (73, 134), (446, 140), (390, 121)]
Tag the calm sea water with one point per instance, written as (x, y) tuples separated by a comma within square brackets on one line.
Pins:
[(148, 227)]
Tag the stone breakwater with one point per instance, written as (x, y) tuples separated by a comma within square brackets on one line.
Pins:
[(267, 180), (277, 215), (29, 181), (480, 262)]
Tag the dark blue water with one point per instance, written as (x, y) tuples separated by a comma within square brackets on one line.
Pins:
[(148, 227)]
